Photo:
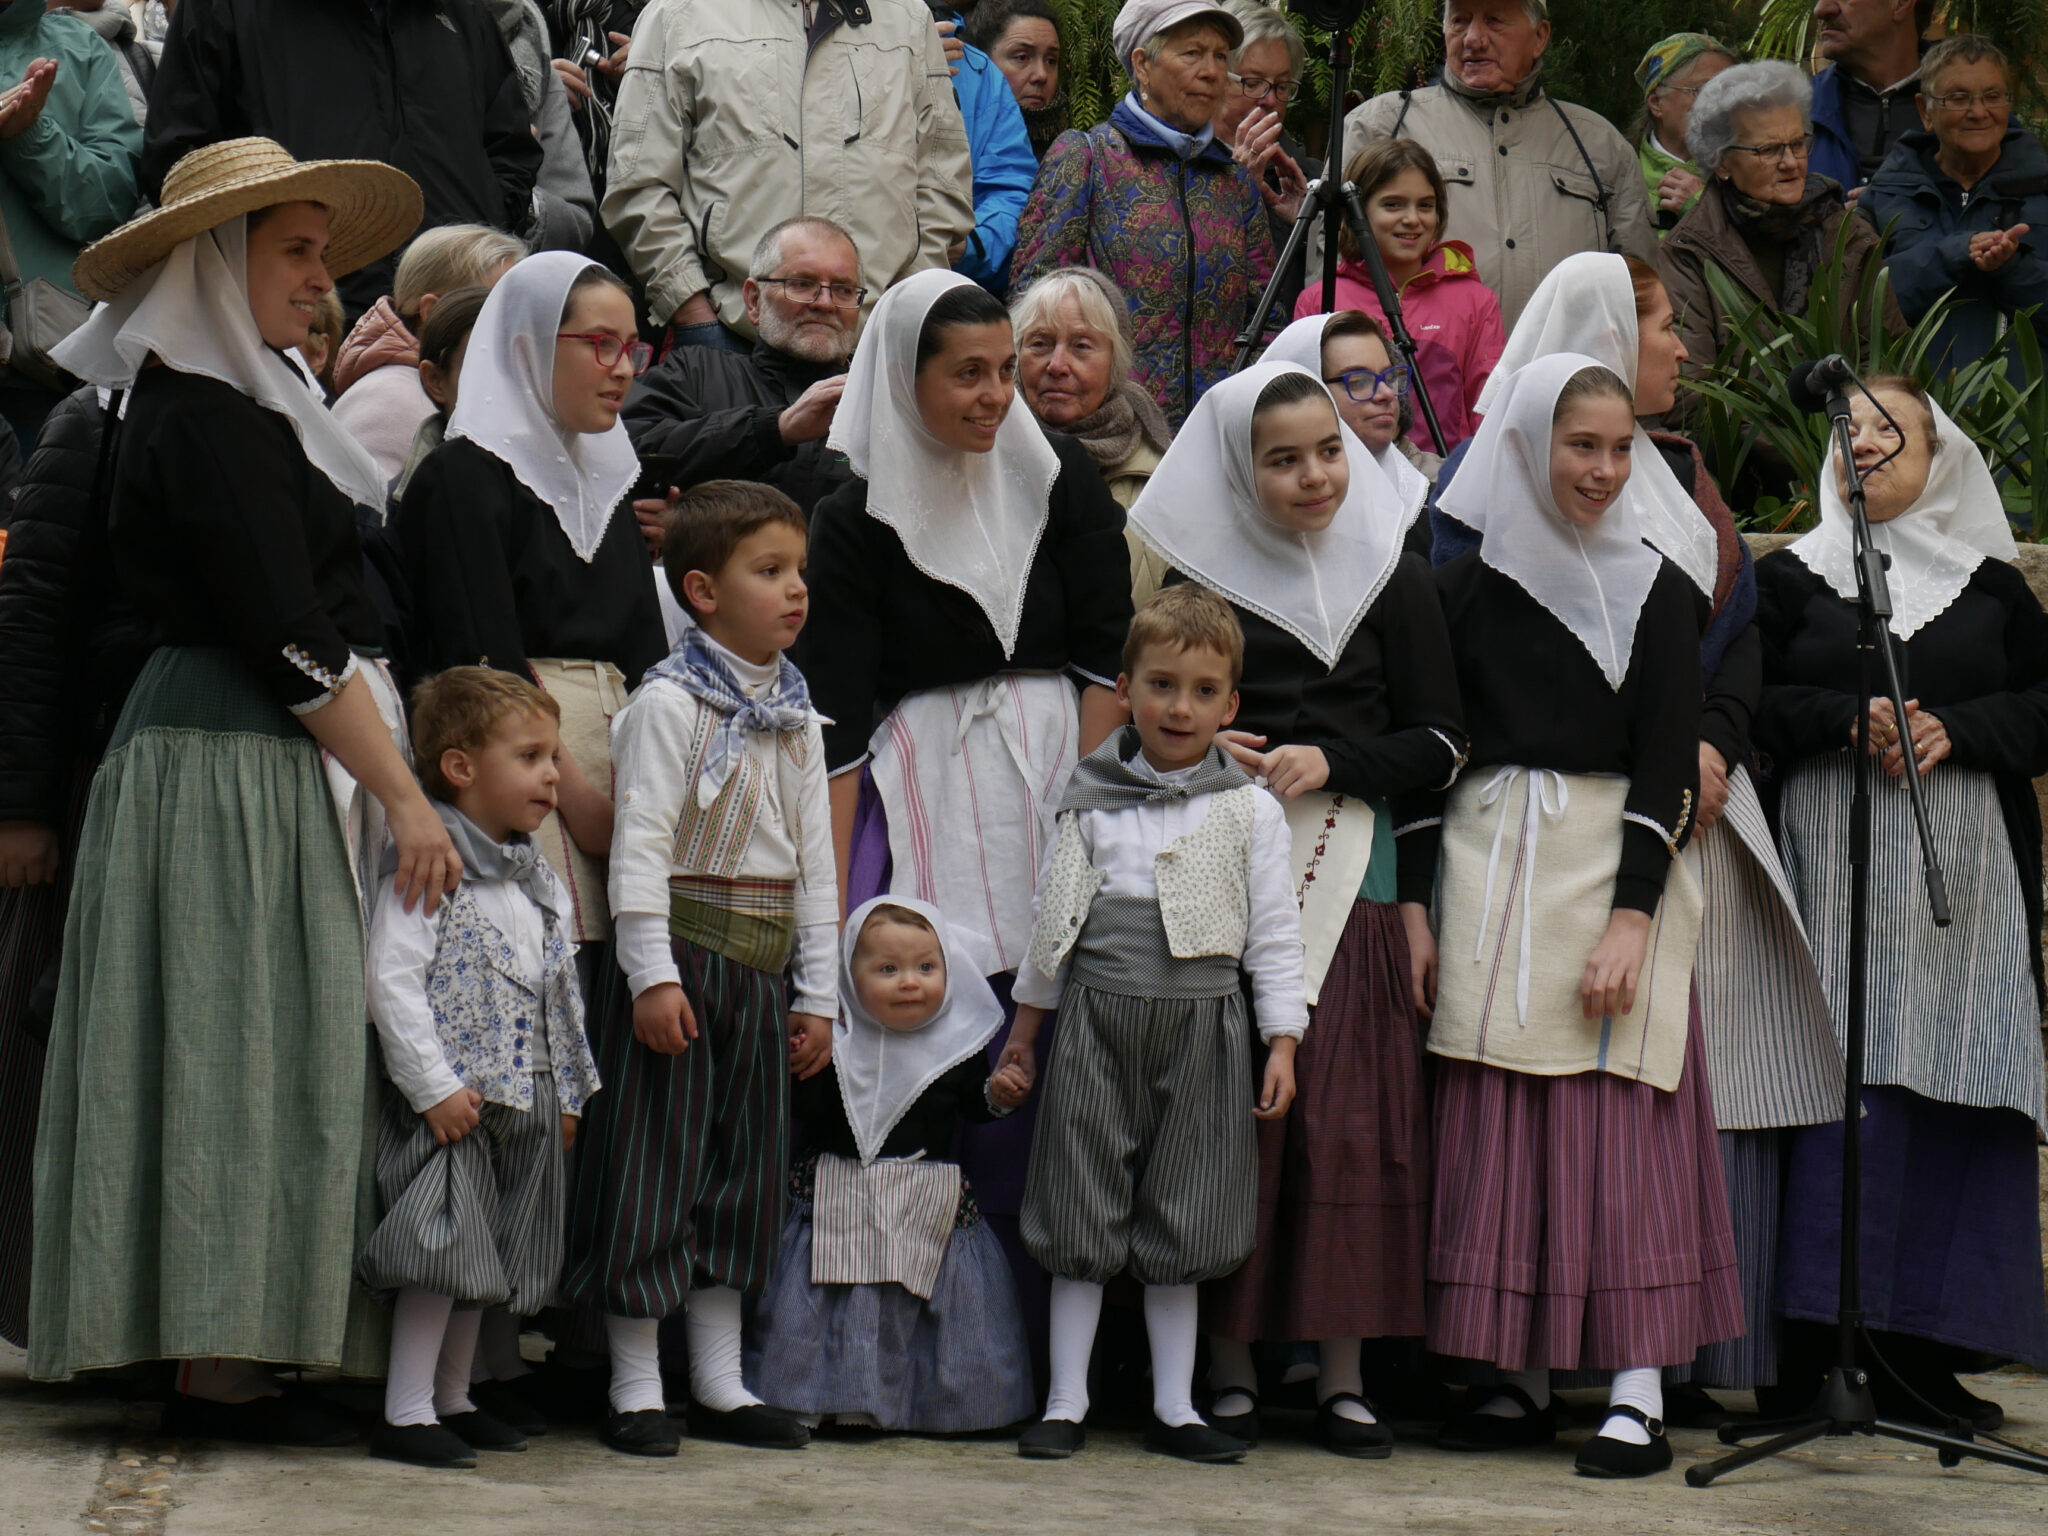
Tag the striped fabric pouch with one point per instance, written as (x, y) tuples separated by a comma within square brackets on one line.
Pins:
[(887, 1221)]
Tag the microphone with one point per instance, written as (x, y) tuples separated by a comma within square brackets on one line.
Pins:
[(1813, 381)]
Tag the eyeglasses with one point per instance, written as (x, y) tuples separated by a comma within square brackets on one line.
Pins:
[(1361, 384), (1996, 99), (1258, 87), (610, 348), (1791, 149), (805, 290)]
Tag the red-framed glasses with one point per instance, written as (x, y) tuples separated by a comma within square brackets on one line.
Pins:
[(610, 348)]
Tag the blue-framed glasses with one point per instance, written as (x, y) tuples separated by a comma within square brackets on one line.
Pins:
[(1361, 384)]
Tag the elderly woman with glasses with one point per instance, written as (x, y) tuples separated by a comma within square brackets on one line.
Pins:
[(1765, 219), (1963, 203)]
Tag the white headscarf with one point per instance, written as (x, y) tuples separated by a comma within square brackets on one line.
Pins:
[(971, 520), (882, 1071), (1587, 304), (1200, 511), (192, 311), (1302, 344), (506, 405), (1934, 545), (1593, 580)]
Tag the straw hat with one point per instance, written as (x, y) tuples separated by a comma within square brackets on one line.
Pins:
[(374, 208)]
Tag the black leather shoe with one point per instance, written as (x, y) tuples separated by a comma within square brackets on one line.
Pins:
[(756, 1424), (483, 1431), (296, 1418), (644, 1432), (1688, 1405), (1476, 1431), (1241, 1427), (1194, 1442), (423, 1445), (1052, 1440), (1602, 1456), (508, 1405), (1348, 1437)]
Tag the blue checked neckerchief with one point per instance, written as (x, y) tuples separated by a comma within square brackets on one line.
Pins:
[(696, 667)]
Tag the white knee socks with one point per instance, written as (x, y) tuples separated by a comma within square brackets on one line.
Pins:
[(1172, 1317), (1233, 1375), (713, 1325), (419, 1326), (1641, 1388), (1338, 1371), (1076, 1309), (636, 1363), (451, 1372), (1536, 1383)]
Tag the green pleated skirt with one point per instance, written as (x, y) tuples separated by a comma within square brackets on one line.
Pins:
[(205, 1170)]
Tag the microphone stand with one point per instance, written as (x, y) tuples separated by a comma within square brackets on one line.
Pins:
[(1845, 1405), (1330, 194)]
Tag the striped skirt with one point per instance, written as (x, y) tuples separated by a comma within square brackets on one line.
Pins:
[(1581, 1222), (680, 1160), (479, 1219), (1343, 1223)]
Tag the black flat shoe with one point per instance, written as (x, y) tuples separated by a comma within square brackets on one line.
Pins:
[(1348, 1437), (1052, 1440), (1688, 1405), (483, 1431), (1602, 1456), (756, 1424), (644, 1432), (1476, 1431), (508, 1405), (296, 1418), (422, 1445), (1195, 1442), (1241, 1427)]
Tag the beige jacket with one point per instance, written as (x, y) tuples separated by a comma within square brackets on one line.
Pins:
[(728, 122), (1522, 196)]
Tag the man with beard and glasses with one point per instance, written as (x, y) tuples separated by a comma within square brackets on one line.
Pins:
[(763, 415)]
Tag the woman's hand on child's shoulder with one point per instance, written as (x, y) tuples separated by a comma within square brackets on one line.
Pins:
[(455, 1116), (1244, 749), (662, 1019), (1292, 771), (810, 1045), (1009, 1087)]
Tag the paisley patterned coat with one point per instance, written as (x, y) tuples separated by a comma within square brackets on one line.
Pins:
[(1186, 240)]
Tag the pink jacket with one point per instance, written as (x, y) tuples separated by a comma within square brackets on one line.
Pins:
[(1455, 320)]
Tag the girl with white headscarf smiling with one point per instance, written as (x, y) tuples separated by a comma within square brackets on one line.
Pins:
[(1951, 1236), (205, 1092), (1581, 1218), (1348, 709)]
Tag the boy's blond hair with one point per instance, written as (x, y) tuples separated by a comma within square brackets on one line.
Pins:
[(1188, 618), (459, 709)]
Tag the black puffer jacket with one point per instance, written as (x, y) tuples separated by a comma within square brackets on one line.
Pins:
[(69, 648)]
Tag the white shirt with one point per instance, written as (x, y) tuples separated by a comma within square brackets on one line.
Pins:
[(401, 945), (652, 741), (1124, 845)]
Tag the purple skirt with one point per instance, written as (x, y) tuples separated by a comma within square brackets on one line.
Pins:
[(1951, 1225), (1581, 1222)]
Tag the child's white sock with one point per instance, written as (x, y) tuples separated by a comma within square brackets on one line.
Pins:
[(1076, 1310), (636, 1363), (1337, 1371), (1535, 1383), (227, 1381), (713, 1325), (497, 1348), (451, 1373), (419, 1324), (1172, 1323), (1641, 1388), (1233, 1375)]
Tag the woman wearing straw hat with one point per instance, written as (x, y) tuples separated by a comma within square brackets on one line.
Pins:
[(203, 1176)]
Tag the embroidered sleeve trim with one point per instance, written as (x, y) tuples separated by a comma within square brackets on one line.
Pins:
[(1458, 758), (1084, 673), (1669, 839), (1417, 825), (331, 681)]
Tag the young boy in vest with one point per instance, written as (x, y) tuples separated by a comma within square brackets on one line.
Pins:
[(721, 882), (1171, 872), (481, 1025)]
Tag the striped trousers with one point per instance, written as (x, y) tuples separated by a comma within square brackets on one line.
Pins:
[(679, 1177)]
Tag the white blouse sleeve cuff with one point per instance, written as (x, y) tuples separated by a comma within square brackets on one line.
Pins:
[(644, 952)]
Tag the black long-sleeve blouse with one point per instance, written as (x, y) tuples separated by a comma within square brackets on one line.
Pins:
[(880, 628), (223, 533), (495, 582), (926, 1127), (1387, 717), (1534, 696)]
